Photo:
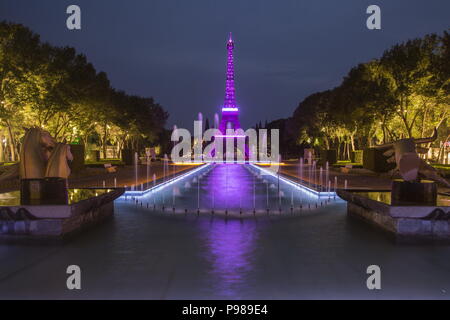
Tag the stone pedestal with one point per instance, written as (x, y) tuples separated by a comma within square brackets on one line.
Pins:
[(420, 193), (407, 223), (31, 191), (48, 191), (55, 191), (48, 223)]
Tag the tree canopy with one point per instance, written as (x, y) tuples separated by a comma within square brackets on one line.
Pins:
[(405, 93), (57, 89)]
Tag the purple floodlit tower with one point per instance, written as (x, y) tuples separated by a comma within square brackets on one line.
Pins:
[(230, 110)]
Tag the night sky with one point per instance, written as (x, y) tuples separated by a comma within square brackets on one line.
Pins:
[(175, 51)]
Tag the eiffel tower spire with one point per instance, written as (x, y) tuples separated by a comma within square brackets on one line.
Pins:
[(230, 111), (230, 92)]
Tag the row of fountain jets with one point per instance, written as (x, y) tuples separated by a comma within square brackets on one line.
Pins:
[(323, 174), (317, 179)]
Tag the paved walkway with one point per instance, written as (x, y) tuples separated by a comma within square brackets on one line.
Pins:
[(356, 178), (125, 176)]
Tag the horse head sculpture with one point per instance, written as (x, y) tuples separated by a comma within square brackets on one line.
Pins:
[(405, 153), (57, 166), (34, 153)]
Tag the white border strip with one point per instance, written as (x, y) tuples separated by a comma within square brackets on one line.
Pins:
[(164, 184), (295, 184)]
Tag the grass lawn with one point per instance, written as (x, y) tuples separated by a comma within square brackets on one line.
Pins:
[(101, 162), (9, 163), (344, 163)]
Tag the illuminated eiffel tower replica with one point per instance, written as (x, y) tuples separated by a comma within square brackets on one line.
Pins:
[(230, 110)]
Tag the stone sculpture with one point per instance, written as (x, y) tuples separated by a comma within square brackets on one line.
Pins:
[(34, 154), (43, 169), (57, 166), (40, 157), (405, 153)]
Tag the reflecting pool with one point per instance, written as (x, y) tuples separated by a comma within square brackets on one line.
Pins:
[(310, 252)]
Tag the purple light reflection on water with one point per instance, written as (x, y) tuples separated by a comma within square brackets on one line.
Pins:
[(232, 186), (230, 252)]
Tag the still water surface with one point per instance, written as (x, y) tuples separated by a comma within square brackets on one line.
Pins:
[(150, 254)]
